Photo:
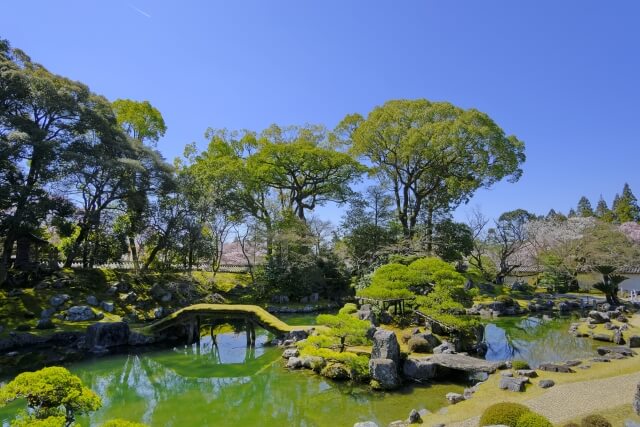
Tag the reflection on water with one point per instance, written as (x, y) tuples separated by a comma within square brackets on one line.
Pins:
[(234, 386), (230, 385), (535, 340)]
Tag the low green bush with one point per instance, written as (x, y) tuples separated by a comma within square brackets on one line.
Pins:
[(505, 413), (519, 364), (595, 421), (348, 308), (571, 425), (533, 420)]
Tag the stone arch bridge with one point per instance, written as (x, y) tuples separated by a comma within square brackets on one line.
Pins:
[(193, 318)]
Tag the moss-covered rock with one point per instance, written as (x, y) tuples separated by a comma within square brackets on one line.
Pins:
[(336, 371)]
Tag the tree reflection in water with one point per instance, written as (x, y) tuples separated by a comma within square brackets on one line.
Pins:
[(535, 340), (230, 385)]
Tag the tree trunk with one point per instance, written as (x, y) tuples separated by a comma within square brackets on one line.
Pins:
[(134, 253), (429, 226)]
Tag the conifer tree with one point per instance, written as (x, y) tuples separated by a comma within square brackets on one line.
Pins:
[(603, 212), (584, 208), (625, 207)]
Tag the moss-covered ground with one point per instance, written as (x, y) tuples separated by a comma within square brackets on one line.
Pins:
[(24, 309)]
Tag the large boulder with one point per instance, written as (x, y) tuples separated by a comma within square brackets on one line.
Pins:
[(598, 317), (385, 346), (385, 372), (419, 369), (93, 300), (634, 341), (80, 313), (137, 338), (107, 334)]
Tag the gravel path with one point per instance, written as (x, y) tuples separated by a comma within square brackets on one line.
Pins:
[(567, 401)]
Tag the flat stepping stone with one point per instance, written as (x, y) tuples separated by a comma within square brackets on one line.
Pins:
[(624, 351), (551, 367)]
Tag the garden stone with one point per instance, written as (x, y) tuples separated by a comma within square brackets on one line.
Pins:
[(290, 352), (417, 344), (47, 313), (634, 341), (546, 383), (618, 339), (564, 307), (107, 306), (414, 417), (616, 350), (313, 362), (80, 313), (335, 371), (92, 300), (513, 383), (58, 300), (294, 363), (454, 398), (529, 373), (136, 338), (366, 424), (112, 290), (158, 313), (598, 317), (551, 367), (419, 369), (45, 323), (385, 346), (445, 348), (130, 298), (385, 372), (107, 334)]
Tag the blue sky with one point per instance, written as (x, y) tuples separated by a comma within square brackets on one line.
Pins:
[(564, 76)]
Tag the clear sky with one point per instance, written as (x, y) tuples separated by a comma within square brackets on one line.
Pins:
[(564, 76)]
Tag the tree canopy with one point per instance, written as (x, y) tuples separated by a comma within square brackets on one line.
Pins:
[(432, 152)]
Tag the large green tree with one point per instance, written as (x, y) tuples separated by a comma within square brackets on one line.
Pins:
[(144, 124), (304, 172), (432, 152), (42, 115)]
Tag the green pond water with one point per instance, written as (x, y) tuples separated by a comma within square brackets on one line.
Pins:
[(234, 386)]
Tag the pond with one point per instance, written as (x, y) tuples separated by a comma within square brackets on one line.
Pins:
[(536, 340), (230, 385), (234, 386)]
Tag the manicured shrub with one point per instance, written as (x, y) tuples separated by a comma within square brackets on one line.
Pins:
[(348, 308), (571, 425), (505, 413), (533, 420), (519, 364), (595, 421), (506, 300)]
